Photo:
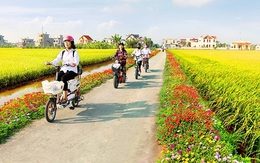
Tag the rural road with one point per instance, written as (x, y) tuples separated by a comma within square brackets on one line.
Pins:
[(110, 126)]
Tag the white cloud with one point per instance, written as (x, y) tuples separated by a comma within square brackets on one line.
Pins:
[(124, 8), (107, 25), (191, 3), (132, 1)]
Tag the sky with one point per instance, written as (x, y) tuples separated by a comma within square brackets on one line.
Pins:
[(229, 20)]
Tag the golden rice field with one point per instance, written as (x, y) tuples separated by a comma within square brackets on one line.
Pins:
[(18, 65), (230, 81)]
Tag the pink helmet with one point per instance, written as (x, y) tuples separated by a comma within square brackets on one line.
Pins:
[(68, 37)]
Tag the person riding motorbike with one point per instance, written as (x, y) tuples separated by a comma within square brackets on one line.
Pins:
[(121, 55), (137, 53), (70, 61)]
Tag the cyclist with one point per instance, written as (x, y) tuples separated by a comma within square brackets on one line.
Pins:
[(146, 54), (121, 55), (70, 61), (137, 53)]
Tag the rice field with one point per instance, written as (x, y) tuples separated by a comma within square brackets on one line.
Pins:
[(19, 65), (230, 82)]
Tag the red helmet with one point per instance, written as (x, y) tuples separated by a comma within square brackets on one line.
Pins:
[(68, 38)]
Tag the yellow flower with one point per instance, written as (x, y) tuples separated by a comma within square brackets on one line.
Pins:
[(218, 146), (187, 155)]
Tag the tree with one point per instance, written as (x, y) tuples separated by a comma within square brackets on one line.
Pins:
[(131, 43), (116, 39), (148, 41)]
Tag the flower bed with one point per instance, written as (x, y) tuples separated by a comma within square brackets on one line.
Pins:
[(187, 130)]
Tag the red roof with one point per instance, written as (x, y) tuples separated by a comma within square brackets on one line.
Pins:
[(87, 37)]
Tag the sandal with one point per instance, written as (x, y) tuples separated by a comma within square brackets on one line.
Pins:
[(64, 101)]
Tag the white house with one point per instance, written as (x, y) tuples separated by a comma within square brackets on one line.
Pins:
[(26, 42), (108, 40), (58, 41), (207, 41), (170, 43)]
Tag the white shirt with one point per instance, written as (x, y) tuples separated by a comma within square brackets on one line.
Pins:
[(138, 54), (146, 52), (67, 58)]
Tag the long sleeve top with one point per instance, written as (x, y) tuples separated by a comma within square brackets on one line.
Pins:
[(67, 58)]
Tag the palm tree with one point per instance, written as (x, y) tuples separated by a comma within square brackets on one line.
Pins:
[(116, 39)]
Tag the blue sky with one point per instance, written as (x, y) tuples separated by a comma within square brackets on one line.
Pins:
[(229, 20)]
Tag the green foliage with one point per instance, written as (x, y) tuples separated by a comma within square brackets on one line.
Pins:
[(95, 45)]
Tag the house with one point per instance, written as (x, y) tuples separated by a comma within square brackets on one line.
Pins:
[(108, 40), (132, 37), (170, 43), (207, 41), (257, 47), (85, 39), (26, 42), (241, 45), (58, 41), (135, 37), (44, 40)]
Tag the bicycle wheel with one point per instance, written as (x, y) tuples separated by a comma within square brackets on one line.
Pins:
[(136, 72), (124, 77), (145, 67), (50, 110), (115, 81)]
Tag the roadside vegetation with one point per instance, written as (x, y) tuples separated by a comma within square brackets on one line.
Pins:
[(210, 112)]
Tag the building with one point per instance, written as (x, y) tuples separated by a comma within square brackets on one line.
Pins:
[(108, 40), (135, 37), (58, 41), (241, 45), (209, 42), (44, 40), (85, 39), (26, 42), (170, 43), (2, 41)]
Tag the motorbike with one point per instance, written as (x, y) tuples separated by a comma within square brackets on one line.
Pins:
[(119, 74), (55, 88)]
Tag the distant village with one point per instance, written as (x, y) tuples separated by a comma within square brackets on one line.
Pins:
[(202, 42), (44, 40)]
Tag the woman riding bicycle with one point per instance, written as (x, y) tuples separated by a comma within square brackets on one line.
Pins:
[(121, 55), (70, 61), (146, 54), (137, 53)]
